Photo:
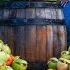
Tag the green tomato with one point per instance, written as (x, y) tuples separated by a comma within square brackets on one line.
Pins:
[(66, 57), (20, 61), (1, 44), (52, 65), (62, 66), (6, 49), (3, 57), (17, 66), (55, 60), (9, 68), (3, 68)]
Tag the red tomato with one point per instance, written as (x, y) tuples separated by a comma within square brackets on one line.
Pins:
[(9, 60)]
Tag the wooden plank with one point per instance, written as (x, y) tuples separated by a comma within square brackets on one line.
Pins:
[(20, 41), (1, 32), (53, 13), (62, 37), (17, 38), (49, 41), (30, 13), (40, 13), (48, 13), (6, 13), (12, 13), (7, 35), (56, 44), (30, 43), (41, 43), (33, 43), (59, 13), (11, 36), (20, 13), (28, 46)]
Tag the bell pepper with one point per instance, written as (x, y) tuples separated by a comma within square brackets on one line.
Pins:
[(9, 60), (19, 64), (52, 64), (62, 66), (16, 66)]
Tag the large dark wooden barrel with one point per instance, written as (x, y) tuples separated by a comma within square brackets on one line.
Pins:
[(35, 42)]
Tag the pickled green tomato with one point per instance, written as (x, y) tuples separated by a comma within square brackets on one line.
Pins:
[(6, 49), (3, 68), (1, 44), (9, 68), (3, 57)]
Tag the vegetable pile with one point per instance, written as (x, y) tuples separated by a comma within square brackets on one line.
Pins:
[(8, 61), (63, 63)]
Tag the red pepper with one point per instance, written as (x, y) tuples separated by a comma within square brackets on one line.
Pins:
[(62, 66), (9, 60)]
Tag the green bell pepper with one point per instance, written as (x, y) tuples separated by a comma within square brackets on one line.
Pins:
[(52, 64), (19, 64)]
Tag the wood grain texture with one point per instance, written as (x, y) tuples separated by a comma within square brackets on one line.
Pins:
[(49, 41), (7, 35), (30, 42), (41, 43), (62, 37), (20, 41), (57, 48), (35, 42)]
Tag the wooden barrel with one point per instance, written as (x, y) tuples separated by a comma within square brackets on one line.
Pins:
[(35, 42)]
